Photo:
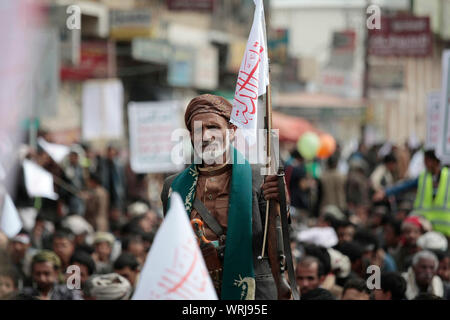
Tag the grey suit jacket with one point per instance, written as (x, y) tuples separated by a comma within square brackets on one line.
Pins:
[(265, 284)]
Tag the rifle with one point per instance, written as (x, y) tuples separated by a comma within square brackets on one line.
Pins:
[(276, 225), (275, 252)]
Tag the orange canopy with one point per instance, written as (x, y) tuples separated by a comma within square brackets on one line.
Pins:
[(291, 128)]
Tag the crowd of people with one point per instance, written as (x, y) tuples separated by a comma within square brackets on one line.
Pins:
[(357, 229), (355, 233), (92, 241)]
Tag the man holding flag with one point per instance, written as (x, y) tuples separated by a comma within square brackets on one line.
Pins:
[(228, 195), (224, 196)]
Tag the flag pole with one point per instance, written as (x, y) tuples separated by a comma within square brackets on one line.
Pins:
[(268, 154)]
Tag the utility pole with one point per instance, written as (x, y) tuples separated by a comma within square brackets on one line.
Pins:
[(366, 54), (366, 67)]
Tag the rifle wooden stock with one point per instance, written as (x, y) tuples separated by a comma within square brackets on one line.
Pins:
[(275, 260)]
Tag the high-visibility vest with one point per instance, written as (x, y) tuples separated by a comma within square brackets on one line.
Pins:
[(436, 210)]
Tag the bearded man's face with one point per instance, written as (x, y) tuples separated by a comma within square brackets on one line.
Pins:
[(211, 135)]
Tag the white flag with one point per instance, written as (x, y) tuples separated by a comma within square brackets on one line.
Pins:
[(56, 151), (38, 182), (10, 222), (253, 75), (174, 268)]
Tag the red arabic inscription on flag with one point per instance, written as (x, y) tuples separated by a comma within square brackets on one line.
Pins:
[(184, 278), (246, 95)]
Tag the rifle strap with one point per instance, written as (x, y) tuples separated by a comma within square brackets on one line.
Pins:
[(285, 230), (208, 218)]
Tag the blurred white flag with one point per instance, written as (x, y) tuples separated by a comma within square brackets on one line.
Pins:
[(39, 182), (56, 151), (10, 222), (321, 236), (253, 76), (174, 268)]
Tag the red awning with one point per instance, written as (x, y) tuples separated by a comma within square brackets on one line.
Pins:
[(291, 128)]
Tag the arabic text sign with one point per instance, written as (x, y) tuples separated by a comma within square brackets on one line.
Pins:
[(151, 125), (401, 36)]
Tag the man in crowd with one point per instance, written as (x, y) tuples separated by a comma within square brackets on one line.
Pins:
[(225, 187), (412, 229), (357, 190), (392, 232), (127, 266), (20, 253), (134, 245), (383, 175), (421, 276), (318, 294), (103, 245), (309, 274), (142, 217), (97, 204), (86, 264), (431, 193), (46, 276), (41, 233), (444, 267), (64, 246), (392, 287), (80, 228), (74, 176), (355, 252), (356, 289), (333, 185), (112, 175), (9, 281), (109, 286), (297, 181), (345, 231)]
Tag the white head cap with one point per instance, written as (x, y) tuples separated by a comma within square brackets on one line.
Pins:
[(432, 240)]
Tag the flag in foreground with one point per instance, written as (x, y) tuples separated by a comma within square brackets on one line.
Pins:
[(10, 222), (174, 268), (253, 75)]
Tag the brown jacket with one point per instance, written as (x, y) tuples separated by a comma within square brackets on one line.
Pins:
[(333, 189), (265, 284)]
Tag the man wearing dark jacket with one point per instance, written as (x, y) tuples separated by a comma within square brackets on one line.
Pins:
[(234, 193)]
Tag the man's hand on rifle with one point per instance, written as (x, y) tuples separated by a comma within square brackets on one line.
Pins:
[(270, 189)]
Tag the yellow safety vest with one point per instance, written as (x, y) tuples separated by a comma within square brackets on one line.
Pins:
[(436, 210)]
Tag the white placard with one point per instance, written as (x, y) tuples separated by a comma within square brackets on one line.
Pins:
[(151, 125), (433, 119), (443, 146), (206, 74), (102, 115)]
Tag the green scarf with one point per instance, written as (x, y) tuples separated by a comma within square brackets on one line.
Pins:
[(238, 282)]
